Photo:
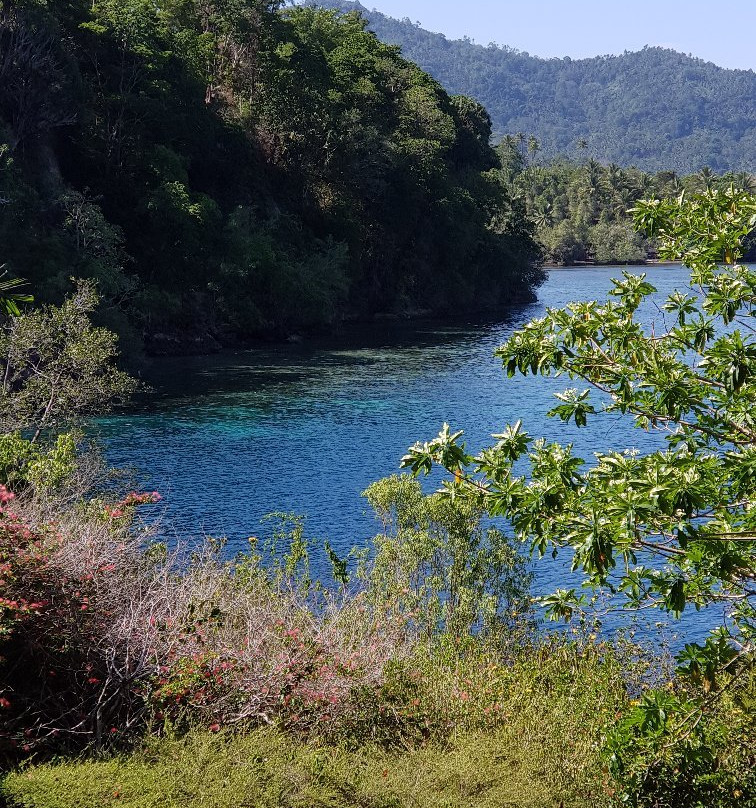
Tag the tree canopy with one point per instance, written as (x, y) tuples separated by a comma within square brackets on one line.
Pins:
[(56, 367), (231, 169)]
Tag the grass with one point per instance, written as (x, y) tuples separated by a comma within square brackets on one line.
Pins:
[(266, 768), (541, 750)]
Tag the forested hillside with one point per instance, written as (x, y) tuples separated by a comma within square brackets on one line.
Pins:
[(229, 169), (656, 109), (582, 210)]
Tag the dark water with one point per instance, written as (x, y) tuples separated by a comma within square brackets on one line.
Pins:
[(305, 428)]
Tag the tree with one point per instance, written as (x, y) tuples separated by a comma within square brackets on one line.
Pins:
[(32, 83), (533, 148), (616, 244), (706, 178), (671, 529), (54, 366)]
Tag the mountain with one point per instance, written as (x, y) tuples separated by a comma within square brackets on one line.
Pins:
[(655, 109)]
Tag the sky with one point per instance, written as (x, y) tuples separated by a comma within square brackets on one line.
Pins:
[(723, 32)]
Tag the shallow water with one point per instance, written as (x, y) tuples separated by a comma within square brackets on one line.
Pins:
[(306, 428)]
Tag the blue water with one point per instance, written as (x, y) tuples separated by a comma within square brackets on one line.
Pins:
[(306, 428)]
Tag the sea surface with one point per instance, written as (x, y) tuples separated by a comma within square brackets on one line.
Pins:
[(306, 427)]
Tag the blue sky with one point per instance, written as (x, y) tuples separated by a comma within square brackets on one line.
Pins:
[(723, 31)]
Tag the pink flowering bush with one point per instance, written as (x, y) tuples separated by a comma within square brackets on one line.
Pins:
[(19, 548), (102, 636), (235, 649), (62, 681)]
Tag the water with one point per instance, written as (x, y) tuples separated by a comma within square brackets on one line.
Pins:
[(306, 428)]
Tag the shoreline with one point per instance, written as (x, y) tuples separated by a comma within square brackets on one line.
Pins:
[(651, 262)]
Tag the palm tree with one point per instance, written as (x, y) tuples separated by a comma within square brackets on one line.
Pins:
[(595, 182), (589, 186), (9, 297), (745, 182), (706, 178), (533, 147), (522, 141), (594, 174), (541, 214), (613, 177), (675, 186), (629, 196), (643, 185)]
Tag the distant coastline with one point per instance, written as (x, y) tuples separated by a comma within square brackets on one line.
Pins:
[(651, 262)]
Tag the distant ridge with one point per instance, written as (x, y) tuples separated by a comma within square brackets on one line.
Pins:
[(655, 108)]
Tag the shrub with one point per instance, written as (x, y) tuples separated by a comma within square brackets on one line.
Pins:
[(65, 678), (538, 750), (109, 634), (711, 763), (437, 562), (25, 464), (56, 366)]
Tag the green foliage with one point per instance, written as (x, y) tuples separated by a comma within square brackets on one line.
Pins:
[(459, 685), (445, 729), (24, 463), (35, 87), (436, 561), (10, 297), (56, 366), (98, 248), (267, 768), (616, 244), (581, 209), (241, 168), (714, 765), (286, 551), (705, 231), (655, 108), (672, 529)]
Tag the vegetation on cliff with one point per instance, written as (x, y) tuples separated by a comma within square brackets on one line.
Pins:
[(235, 168)]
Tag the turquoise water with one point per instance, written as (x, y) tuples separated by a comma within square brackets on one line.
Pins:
[(305, 428)]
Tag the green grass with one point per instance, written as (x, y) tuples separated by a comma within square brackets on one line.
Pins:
[(428, 739), (266, 768)]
